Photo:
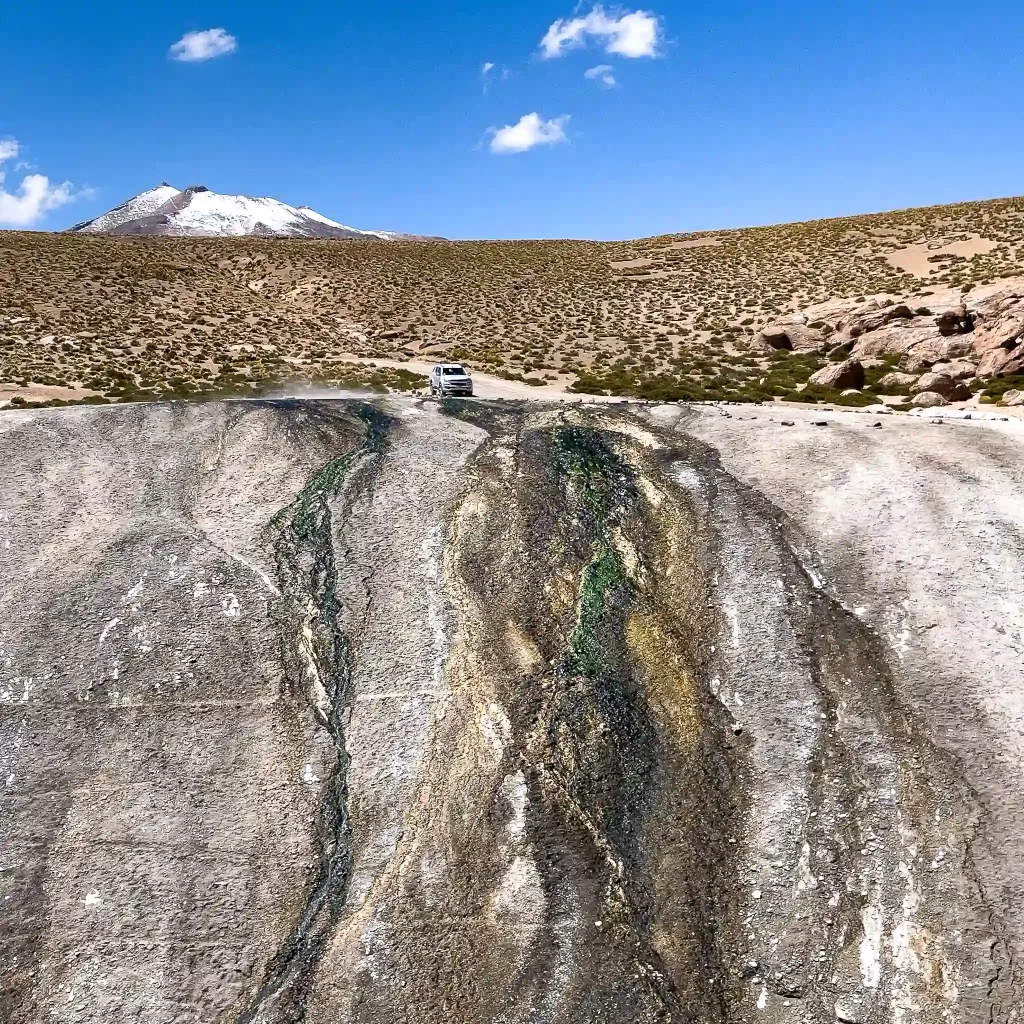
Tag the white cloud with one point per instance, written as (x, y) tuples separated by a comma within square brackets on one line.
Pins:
[(214, 42), (603, 73), (34, 197), (489, 71), (634, 34), (527, 132)]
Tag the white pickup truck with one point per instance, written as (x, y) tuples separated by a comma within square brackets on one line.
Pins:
[(450, 379)]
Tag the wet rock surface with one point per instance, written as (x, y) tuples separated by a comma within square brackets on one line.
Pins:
[(407, 711)]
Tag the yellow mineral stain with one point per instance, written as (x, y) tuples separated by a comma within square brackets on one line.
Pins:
[(525, 652), (671, 687)]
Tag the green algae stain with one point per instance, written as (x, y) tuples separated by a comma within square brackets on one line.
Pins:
[(603, 485), (584, 457), (600, 577), (305, 510)]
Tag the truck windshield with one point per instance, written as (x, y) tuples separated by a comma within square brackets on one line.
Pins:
[(453, 371)]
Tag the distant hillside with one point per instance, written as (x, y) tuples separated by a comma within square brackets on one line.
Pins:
[(175, 315)]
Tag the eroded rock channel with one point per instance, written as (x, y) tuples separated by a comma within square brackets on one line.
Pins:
[(399, 711)]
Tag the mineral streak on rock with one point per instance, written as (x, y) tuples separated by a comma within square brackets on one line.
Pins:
[(319, 665), (407, 711)]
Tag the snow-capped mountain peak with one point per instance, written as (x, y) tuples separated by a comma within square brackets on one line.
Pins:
[(198, 212)]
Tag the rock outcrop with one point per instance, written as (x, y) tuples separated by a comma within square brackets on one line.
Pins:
[(998, 336), (847, 374), (979, 334), (790, 333), (863, 321)]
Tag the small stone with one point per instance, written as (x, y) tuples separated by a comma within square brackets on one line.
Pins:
[(847, 1012)]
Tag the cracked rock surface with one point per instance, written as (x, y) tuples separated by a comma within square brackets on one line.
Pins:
[(405, 711)]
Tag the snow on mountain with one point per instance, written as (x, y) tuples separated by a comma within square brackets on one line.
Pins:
[(198, 212), (141, 205), (209, 213), (311, 214)]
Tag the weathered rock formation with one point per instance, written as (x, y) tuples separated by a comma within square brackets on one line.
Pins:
[(789, 333), (977, 334), (336, 711), (998, 336)]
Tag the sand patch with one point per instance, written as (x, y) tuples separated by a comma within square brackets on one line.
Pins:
[(914, 259), (624, 264), (695, 243), (43, 393)]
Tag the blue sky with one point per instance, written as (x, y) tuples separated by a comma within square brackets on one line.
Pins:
[(376, 114)]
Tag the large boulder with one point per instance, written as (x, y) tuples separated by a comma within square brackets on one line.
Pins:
[(791, 336), (894, 339), (1004, 331), (928, 400), (958, 369), (1014, 366), (933, 350), (1001, 362), (942, 384), (897, 381), (847, 374), (1013, 397)]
